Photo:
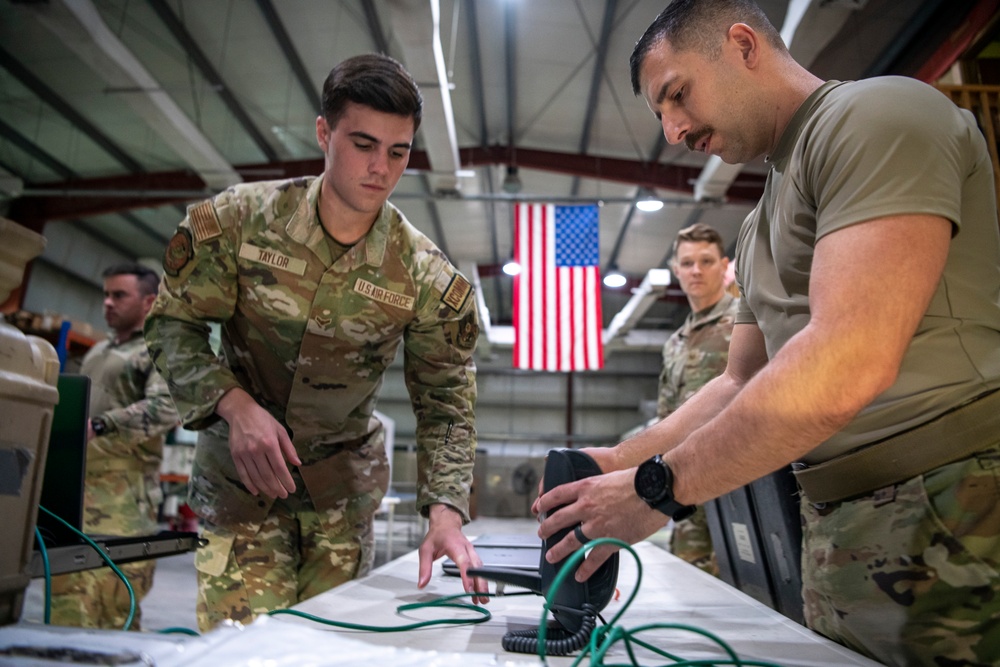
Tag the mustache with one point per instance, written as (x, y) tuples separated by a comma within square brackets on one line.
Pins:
[(693, 138)]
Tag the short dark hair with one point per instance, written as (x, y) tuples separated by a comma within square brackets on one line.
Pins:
[(699, 25), (374, 80), (699, 233), (149, 280)]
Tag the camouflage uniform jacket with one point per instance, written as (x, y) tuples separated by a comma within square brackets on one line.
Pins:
[(309, 335), (127, 391), (695, 354)]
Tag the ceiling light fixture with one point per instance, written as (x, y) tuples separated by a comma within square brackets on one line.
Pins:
[(512, 182), (649, 205), (614, 278), (512, 268)]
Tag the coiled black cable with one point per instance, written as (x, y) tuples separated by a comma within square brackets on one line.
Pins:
[(559, 640)]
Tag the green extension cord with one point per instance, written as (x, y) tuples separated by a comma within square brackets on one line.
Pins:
[(601, 640)]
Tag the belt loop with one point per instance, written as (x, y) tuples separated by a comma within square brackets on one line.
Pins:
[(884, 496)]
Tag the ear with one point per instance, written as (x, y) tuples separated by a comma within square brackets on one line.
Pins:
[(322, 132), (147, 303), (747, 43)]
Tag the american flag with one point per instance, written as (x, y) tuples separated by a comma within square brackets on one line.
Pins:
[(557, 295)]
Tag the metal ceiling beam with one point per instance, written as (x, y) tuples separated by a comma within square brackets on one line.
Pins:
[(180, 33), (32, 149), (49, 96), (375, 26), (180, 186), (650, 175), (595, 81), (479, 96), (510, 51), (144, 227), (978, 20), (291, 55), (476, 65), (81, 28), (417, 29)]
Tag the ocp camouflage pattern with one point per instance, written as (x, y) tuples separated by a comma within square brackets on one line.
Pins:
[(693, 356), (116, 502), (309, 334), (122, 486), (910, 575), (126, 389), (247, 573)]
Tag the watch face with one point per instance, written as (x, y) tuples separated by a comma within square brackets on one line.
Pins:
[(650, 481)]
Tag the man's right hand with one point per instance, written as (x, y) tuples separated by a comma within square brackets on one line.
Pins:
[(606, 460), (260, 446)]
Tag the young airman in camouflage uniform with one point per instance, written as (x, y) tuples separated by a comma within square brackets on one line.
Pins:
[(316, 282), (695, 354), (130, 413)]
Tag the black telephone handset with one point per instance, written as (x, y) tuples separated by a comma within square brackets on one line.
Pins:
[(576, 604), (561, 467)]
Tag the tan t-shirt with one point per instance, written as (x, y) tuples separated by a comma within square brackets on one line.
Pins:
[(853, 152)]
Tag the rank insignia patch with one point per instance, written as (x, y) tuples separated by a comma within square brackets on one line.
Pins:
[(178, 253)]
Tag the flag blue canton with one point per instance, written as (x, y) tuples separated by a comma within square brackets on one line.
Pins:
[(576, 236)]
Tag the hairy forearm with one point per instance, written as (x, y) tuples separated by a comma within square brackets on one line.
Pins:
[(670, 432), (809, 391)]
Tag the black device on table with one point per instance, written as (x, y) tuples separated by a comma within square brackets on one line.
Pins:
[(576, 604)]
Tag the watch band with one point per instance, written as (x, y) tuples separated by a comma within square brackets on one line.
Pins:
[(662, 497)]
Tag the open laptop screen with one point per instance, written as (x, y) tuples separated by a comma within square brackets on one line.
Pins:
[(65, 463)]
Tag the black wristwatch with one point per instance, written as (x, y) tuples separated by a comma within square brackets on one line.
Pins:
[(100, 426), (654, 482)]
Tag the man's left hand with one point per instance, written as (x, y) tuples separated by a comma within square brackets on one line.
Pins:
[(445, 538)]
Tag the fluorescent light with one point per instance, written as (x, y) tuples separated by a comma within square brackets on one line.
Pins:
[(649, 205)]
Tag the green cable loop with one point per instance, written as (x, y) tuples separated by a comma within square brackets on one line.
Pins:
[(107, 559), (602, 639), (438, 602)]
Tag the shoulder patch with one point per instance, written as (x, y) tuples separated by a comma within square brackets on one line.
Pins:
[(204, 222), (178, 253), (457, 292)]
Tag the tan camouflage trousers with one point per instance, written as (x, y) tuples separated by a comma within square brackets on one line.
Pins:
[(909, 575), (294, 554), (115, 502), (98, 598), (692, 542)]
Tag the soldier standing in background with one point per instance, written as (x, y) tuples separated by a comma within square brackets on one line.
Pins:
[(130, 413), (695, 354), (316, 282)]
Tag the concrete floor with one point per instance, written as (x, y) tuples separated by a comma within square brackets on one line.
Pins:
[(171, 602)]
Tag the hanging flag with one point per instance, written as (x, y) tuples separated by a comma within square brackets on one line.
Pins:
[(557, 295)]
